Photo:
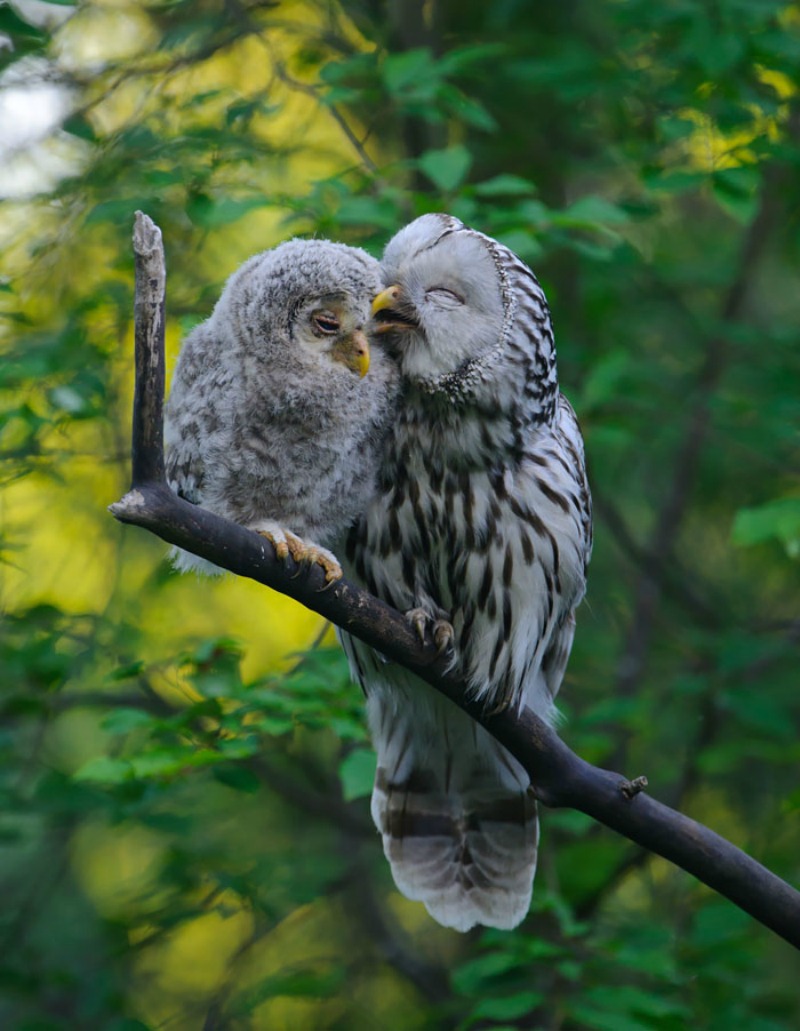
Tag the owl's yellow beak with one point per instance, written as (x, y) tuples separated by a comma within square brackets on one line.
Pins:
[(386, 299), (392, 310), (353, 352)]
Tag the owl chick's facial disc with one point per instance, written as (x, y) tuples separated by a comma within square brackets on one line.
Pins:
[(290, 294), (328, 324)]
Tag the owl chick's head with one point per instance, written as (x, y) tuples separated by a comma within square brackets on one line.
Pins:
[(464, 315), (303, 305)]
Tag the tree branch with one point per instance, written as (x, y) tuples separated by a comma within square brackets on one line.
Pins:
[(560, 777), (147, 450)]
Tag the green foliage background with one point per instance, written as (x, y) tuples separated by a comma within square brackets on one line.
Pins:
[(184, 837)]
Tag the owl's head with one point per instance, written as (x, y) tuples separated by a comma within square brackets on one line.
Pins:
[(304, 304), (463, 314)]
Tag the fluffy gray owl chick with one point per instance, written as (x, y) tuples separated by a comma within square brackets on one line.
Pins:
[(482, 519), (273, 420)]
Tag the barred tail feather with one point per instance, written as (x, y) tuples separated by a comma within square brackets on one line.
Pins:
[(456, 813)]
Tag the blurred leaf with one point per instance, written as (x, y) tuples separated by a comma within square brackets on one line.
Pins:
[(447, 168), (716, 924), (778, 520), (470, 976), (673, 182), (632, 1000), (215, 648), (22, 37), (371, 211), (509, 1007), (300, 982), (105, 770), (132, 670), (119, 211), (505, 186), (240, 778), (411, 70), (469, 110), (210, 212), (78, 125), (737, 191), (761, 712), (123, 721), (522, 242), (357, 774), (604, 383), (591, 211), (463, 58)]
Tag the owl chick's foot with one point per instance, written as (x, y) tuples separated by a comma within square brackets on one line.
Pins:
[(440, 627), (287, 543)]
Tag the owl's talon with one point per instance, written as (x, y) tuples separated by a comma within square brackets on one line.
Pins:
[(303, 551), (288, 544), (441, 629), (418, 618), (443, 636), (278, 542)]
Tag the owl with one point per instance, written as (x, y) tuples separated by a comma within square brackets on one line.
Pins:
[(278, 408), (481, 530)]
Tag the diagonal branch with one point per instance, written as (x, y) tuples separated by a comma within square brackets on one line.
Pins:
[(560, 777)]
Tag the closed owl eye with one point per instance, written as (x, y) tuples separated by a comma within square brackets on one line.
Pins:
[(325, 322), (444, 298)]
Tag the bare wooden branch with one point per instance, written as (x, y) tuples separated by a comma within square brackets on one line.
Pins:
[(632, 788), (149, 302), (561, 778)]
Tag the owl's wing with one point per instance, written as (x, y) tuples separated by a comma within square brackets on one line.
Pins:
[(188, 410), (186, 472), (556, 656), (570, 432), (186, 428)]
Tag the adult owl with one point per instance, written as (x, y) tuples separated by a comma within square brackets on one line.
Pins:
[(481, 528), (273, 421)]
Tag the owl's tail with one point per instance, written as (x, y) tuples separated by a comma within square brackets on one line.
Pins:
[(455, 810)]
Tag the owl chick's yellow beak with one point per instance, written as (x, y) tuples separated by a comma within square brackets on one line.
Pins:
[(353, 352)]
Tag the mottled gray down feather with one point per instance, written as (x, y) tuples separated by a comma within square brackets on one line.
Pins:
[(265, 423)]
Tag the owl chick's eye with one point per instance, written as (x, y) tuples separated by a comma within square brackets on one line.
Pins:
[(444, 298), (325, 322)]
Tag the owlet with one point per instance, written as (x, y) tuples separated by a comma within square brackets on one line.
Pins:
[(278, 407)]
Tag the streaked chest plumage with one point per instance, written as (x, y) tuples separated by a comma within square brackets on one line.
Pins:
[(484, 529)]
